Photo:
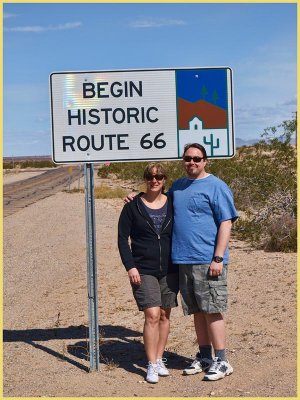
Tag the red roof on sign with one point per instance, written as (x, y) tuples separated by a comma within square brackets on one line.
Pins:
[(211, 115)]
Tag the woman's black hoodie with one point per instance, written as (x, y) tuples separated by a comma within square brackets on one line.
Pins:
[(150, 252)]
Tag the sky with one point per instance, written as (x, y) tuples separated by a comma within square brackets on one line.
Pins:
[(190, 86), (256, 40)]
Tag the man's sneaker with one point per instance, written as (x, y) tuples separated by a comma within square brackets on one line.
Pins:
[(161, 367), (152, 374), (218, 370), (198, 365)]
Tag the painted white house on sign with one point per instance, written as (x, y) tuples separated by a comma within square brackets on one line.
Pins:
[(211, 139)]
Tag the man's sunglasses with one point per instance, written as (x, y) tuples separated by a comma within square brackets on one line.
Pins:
[(158, 177), (195, 159)]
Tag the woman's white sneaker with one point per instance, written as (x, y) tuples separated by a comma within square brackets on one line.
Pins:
[(218, 370), (152, 373), (161, 367)]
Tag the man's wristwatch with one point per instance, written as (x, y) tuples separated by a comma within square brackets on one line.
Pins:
[(218, 259)]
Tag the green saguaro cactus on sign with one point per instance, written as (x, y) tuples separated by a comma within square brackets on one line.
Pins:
[(211, 143)]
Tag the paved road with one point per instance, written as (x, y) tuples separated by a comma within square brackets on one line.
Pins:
[(21, 194)]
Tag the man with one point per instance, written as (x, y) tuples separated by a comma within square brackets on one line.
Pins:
[(203, 216)]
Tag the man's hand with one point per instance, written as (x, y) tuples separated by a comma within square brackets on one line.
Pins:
[(129, 197), (215, 269), (134, 276)]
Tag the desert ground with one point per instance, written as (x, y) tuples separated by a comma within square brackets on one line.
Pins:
[(45, 314)]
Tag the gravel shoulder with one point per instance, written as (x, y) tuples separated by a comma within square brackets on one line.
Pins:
[(46, 316)]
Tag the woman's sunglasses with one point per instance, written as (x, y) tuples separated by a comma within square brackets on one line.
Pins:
[(158, 177)]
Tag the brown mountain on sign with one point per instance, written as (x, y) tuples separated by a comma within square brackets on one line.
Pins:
[(212, 116)]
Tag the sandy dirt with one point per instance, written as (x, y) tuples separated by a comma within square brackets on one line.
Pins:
[(46, 315), (11, 176)]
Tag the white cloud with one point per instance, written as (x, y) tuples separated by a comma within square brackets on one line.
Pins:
[(269, 74), (291, 102), (8, 15), (155, 23), (38, 29), (41, 119), (264, 116)]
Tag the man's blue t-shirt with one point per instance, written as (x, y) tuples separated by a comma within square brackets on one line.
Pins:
[(200, 205)]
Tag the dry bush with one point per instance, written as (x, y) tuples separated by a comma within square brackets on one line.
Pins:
[(281, 234)]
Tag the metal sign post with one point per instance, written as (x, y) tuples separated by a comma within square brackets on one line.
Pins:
[(91, 266)]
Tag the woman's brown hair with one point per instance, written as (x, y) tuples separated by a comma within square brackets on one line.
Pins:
[(160, 170)]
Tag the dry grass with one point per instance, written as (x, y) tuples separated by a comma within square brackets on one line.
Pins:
[(103, 192), (106, 192)]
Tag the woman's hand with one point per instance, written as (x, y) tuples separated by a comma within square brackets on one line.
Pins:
[(134, 276)]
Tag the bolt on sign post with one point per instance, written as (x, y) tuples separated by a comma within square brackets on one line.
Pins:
[(136, 115)]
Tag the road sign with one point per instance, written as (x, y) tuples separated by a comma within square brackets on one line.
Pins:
[(134, 115)]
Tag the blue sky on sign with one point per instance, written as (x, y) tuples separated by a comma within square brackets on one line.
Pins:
[(203, 84), (256, 40)]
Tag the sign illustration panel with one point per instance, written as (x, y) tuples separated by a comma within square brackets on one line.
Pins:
[(204, 110)]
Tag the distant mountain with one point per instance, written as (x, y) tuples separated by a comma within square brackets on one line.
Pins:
[(250, 142), (241, 142), (212, 116)]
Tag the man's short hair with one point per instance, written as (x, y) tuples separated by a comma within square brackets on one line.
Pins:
[(197, 146)]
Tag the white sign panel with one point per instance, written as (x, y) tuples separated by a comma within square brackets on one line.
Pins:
[(134, 115)]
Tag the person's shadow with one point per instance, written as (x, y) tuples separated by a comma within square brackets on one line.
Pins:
[(119, 346)]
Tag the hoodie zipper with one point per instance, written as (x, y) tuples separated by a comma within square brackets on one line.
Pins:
[(158, 235)]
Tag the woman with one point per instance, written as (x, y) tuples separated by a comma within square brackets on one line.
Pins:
[(147, 220)]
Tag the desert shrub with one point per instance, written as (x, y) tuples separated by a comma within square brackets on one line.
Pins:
[(254, 180), (106, 192), (103, 192), (29, 164), (8, 165), (265, 187), (123, 170), (74, 190), (281, 234), (135, 170), (272, 226)]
